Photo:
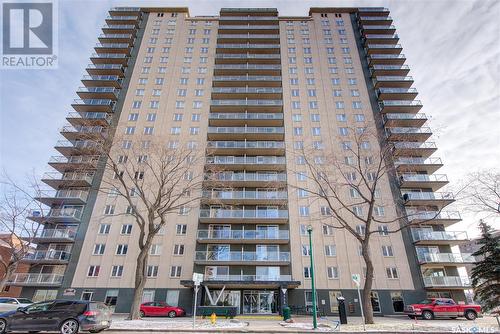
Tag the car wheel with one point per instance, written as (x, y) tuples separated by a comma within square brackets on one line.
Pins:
[(3, 326), (172, 314), (427, 315), (69, 326), (142, 314), (470, 315)]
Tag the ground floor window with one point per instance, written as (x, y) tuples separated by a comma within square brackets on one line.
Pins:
[(111, 299), (375, 302), (173, 297), (263, 302), (41, 295), (334, 303), (398, 303), (439, 294), (148, 296), (87, 294)]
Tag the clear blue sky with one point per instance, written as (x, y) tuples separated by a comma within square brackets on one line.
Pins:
[(452, 48)]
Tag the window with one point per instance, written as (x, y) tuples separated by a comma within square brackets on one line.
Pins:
[(178, 249), (306, 251), (359, 117), (295, 105), (339, 104), (365, 145), (383, 230), (175, 271), (313, 104), (327, 230), (337, 92), (379, 211), (93, 271), (297, 117), (104, 228), (335, 82), (303, 230), (152, 271), (361, 229), (397, 302), (194, 130), (356, 105), (315, 117), (387, 251), (333, 272), (148, 130), (310, 81), (136, 104), (352, 81), (121, 249), (133, 117), (391, 272), (302, 193), (175, 130), (357, 210), (298, 131), (341, 118), (355, 92), (99, 249), (325, 211), (155, 249), (304, 211), (109, 209), (343, 131), (154, 104), (151, 117), (307, 272), (129, 130), (116, 271), (295, 92), (126, 229), (180, 229), (330, 250), (316, 131)]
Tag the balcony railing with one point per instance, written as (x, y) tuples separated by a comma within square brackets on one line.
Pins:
[(91, 115), (247, 67), (418, 161), (246, 102), (259, 177), (115, 36), (57, 234), (400, 103), (415, 145), (424, 177), (112, 45), (380, 36), (243, 213), (109, 55), (247, 78), (245, 194), (378, 27), (125, 9), (409, 130), (36, 279), (75, 159), (431, 215), (65, 194), (102, 77), (246, 116), (376, 18), (98, 90), (246, 144), (429, 195), (118, 26), (228, 160), (243, 36), (249, 278), (387, 90), (390, 116), (246, 129), (446, 258), (446, 281), (247, 56), (66, 212), (426, 235), (243, 256), (384, 46), (389, 56), (243, 234), (50, 254), (248, 27), (122, 17), (247, 46), (105, 66), (69, 177), (247, 90), (248, 18), (94, 102)]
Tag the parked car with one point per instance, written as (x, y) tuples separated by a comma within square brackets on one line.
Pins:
[(9, 304), (160, 309), (432, 308), (65, 316)]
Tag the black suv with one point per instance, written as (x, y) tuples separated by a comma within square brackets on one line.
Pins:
[(66, 316)]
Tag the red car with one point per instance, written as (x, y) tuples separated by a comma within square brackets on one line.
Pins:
[(432, 308), (161, 309)]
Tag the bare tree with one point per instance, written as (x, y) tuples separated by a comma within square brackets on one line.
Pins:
[(17, 203), (156, 183), (481, 193), (348, 187)]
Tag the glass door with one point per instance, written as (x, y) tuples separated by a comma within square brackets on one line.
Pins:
[(267, 273), (219, 231), (267, 231), (218, 252), (267, 252)]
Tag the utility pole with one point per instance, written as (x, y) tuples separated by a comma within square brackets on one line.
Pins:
[(311, 269)]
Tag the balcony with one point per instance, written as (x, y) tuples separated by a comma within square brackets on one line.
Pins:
[(250, 48), (65, 215), (57, 180), (445, 218), (94, 105), (27, 279), (73, 133), (246, 105), (381, 38), (248, 162), (105, 69), (418, 134), (251, 69), (102, 81), (119, 29), (250, 119), (445, 258), (63, 197), (243, 236), (109, 58), (50, 256), (98, 93), (101, 119), (447, 282), (373, 11), (247, 132), (402, 106), (55, 236), (116, 38), (118, 11), (124, 20), (410, 120), (432, 181), (243, 258), (250, 278), (385, 93), (252, 58), (250, 19), (247, 92), (265, 29), (428, 198), (426, 237), (414, 149), (249, 80), (77, 147), (121, 48), (244, 179), (248, 38), (386, 59), (77, 162), (392, 49), (378, 20), (392, 81), (377, 29), (243, 216), (246, 147), (428, 165), (397, 70), (249, 197)]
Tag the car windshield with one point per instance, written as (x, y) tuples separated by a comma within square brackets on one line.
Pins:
[(24, 301), (426, 301)]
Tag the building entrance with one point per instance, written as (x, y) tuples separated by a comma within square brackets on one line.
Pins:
[(260, 302)]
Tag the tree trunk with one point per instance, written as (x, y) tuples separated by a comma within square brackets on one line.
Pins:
[(11, 268), (367, 289), (140, 282)]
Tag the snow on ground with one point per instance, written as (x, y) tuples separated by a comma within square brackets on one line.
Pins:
[(151, 323)]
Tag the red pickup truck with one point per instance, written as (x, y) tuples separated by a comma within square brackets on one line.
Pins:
[(432, 308)]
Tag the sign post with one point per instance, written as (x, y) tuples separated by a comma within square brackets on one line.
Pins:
[(356, 278), (197, 279)]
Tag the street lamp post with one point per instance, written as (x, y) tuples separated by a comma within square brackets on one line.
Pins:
[(311, 268)]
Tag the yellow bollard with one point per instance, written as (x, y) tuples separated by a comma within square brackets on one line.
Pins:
[(213, 318)]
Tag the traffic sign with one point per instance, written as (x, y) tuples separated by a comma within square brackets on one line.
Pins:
[(197, 278)]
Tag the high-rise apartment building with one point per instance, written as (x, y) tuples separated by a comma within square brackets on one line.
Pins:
[(251, 89)]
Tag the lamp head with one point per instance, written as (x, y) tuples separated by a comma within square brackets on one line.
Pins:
[(309, 228)]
